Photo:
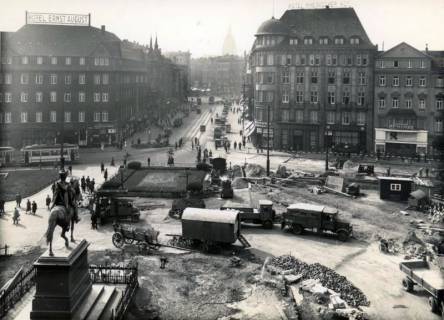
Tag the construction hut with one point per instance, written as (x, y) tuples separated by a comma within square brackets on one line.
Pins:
[(418, 198), (395, 188)]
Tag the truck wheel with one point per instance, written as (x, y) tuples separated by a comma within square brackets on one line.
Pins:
[(407, 284), (342, 236), (433, 304), (267, 224), (297, 229), (118, 240)]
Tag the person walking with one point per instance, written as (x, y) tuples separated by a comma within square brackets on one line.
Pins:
[(102, 167), (34, 207), (48, 200), (28, 207), (16, 216), (2, 207), (105, 174), (149, 161), (234, 145), (93, 182), (112, 162), (18, 199)]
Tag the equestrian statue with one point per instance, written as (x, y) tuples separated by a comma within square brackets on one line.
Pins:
[(64, 212)]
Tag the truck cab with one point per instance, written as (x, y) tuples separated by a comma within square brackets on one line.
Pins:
[(301, 216)]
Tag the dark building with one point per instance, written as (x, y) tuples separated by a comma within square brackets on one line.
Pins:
[(82, 81), (314, 69), (395, 188), (409, 95)]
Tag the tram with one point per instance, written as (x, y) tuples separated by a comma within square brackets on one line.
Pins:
[(43, 153), (6, 156)]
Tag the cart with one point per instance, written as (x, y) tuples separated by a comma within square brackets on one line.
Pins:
[(144, 238)]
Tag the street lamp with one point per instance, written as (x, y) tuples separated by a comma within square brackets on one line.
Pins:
[(268, 140), (328, 136)]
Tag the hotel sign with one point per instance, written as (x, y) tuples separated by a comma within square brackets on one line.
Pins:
[(58, 19)]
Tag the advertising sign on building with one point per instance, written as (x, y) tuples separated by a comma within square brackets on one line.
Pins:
[(58, 19)]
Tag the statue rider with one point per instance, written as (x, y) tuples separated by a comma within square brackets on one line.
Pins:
[(64, 196)]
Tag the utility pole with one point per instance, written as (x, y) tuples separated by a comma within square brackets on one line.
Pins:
[(62, 138), (268, 140)]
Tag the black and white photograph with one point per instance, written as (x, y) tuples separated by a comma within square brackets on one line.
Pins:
[(221, 159)]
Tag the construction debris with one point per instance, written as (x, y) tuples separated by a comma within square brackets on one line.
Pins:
[(255, 170), (327, 278)]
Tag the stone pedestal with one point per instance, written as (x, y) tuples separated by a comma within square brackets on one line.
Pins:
[(62, 281)]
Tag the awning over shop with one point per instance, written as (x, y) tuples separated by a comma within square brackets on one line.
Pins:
[(249, 128)]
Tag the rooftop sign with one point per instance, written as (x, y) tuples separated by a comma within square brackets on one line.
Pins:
[(58, 19)]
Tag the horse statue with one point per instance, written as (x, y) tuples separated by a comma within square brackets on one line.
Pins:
[(64, 216)]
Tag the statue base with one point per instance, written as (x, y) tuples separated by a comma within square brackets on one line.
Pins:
[(62, 281)]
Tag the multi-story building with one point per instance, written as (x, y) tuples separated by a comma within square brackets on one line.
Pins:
[(222, 75), (314, 69), (83, 82), (409, 95)]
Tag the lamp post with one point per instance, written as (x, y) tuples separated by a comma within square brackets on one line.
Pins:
[(328, 135), (62, 138), (268, 140)]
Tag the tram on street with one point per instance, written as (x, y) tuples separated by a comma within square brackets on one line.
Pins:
[(43, 153), (6, 155)]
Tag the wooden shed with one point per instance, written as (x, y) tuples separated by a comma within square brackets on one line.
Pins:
[(211, 225), (395, 188)]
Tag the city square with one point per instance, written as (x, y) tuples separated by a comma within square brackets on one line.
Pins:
[(300, 179)]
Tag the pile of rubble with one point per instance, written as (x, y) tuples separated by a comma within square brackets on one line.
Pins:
[(255, 170), (327, 277)]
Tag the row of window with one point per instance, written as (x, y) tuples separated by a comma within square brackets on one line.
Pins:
[(53, 78), (270, 59), (24, 97), (314, 77), (408, 81), (98, 61), (268, 96), (408, 103), (52, 117), (345, 118), (272, 40), (409, 64)]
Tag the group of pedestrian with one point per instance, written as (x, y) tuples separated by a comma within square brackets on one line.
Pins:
[(88, 184), (31, 207), (2, 207)]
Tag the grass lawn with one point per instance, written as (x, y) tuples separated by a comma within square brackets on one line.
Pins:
[(26, 182)]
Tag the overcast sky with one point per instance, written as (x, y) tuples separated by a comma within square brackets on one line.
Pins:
[(200, 26)]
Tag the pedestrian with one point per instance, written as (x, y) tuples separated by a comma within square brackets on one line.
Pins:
[(388, 172), (192, 145), (53, 187), (88, 181), (427, 172), (149, 161), (94, 220), (18, 199), (234, 145), (34, 207), (2, 207), (105, 174), (211, 120), (102, 167), (175, 145), (163, 262), (112, 162), (48, 200), (93, 182), (240, 146), (70, 169), (28, 207), (243, 142), (16, 216)]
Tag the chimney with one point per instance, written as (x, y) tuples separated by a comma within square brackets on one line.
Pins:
[(103, 29), (427, 48)]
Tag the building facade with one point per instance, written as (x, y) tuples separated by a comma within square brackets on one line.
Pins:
[(81, 84), (409, 98), (312, 71), (222, 75)]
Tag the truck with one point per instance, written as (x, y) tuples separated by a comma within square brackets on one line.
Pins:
[(427, 276), (264, 215), (301, 216), (112, 207)]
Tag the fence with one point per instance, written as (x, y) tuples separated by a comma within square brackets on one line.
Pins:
[(117, 275), (10, 296)]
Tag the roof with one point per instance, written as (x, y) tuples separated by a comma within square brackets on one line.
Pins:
[(328, 22), (58, 40), (395, 178), (48, 146), (273, 26), (403, 50), (312, 207), (210, 215)]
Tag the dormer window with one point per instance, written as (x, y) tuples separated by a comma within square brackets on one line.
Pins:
[(293, 41), (354, 40), (323, 41), (339, 40), (308, 40)]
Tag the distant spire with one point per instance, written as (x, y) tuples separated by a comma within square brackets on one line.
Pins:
[(156, 46), (151, 42)]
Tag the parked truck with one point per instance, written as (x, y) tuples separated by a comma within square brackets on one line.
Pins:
[(301, 216), (427, 276), (264, 215), (112, 207)]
